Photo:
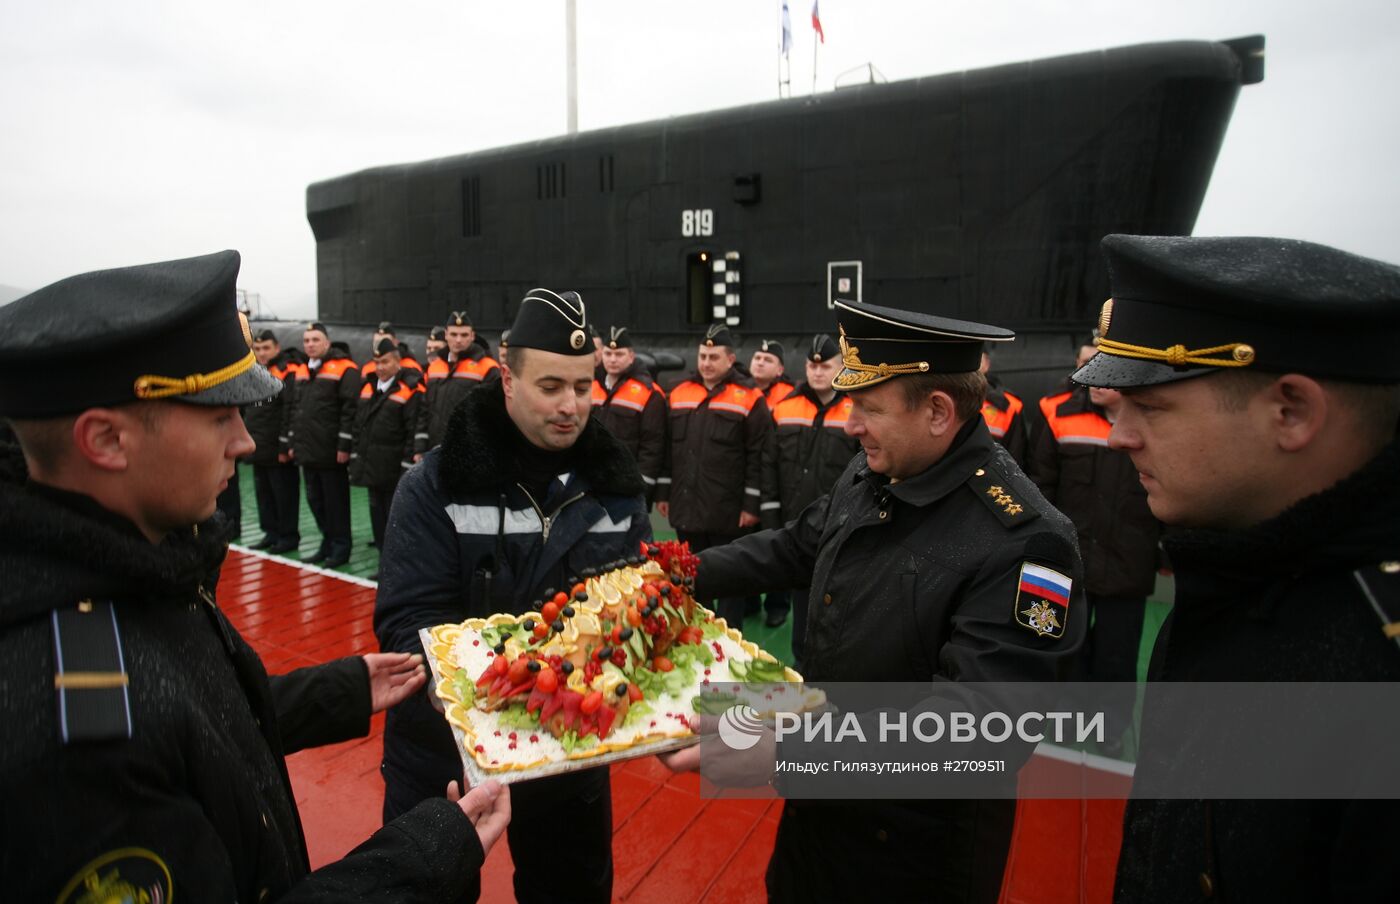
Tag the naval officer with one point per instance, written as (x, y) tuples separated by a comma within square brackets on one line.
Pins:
[(917, 560), (142, 757)]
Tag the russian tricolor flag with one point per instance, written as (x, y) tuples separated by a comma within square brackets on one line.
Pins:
[(1044, 583)]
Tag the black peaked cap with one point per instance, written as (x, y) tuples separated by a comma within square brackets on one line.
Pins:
[(771, 347), (1184, 306), (879, 343), (168, 330)]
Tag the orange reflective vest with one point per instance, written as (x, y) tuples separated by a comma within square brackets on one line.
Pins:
[(999, 421), (1082, 427)]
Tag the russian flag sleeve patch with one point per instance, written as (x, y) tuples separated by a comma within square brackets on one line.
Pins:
[(1042, 600)]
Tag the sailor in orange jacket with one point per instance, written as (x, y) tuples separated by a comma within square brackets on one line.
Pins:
[(1002, 411), (719, 424), (632, 406), (769, 372), (450, 376), (807, 451), (384, 331)]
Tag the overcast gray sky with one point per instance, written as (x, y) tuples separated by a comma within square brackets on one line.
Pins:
[(143, 130)]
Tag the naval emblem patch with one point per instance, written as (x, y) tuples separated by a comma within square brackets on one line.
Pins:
[(1042, 600)]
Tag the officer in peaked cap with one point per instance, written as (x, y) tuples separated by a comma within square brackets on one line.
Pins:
[(137, 716), (930, 495), (160, 331), (521, 451), (1260, 396)]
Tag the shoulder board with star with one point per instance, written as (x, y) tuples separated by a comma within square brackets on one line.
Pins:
[(995, 491)]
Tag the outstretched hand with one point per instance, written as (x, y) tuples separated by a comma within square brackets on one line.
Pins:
[(393, 677), (487, 806)]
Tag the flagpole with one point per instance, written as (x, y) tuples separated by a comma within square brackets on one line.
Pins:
[(780, 48), (814, 64)]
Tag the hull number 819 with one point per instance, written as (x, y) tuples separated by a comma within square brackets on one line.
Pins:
[(697, 222)]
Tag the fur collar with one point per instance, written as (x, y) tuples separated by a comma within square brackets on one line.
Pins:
[(58, 547), (475, 454)]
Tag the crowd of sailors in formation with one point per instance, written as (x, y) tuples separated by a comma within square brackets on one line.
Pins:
[(729, 449)]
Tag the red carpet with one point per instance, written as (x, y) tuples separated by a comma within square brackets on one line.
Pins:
[(669, 844)]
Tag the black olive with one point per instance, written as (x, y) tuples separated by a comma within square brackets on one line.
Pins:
[(499, 648), (653, 550), (549, 594), (558, 625), (621, 690), (533, 665), (529, 624), (605, 654), (566, 666), (635, 560), (536, 605), (567, 612), (625, 633), (580, 596), (665, 590), (573, 579)]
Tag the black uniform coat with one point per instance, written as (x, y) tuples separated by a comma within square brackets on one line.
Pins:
[(1277, 602), (912, 581), (639, 425), (448, 383), (714, 459), (384, 425), (200, 786), (801, 461), (1098, 488), (270, 424), (324, 410)]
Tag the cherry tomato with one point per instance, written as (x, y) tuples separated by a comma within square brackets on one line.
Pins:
[(550, 612), (650, 590), (579, 588), (634, 693), (591, 702), (634, 618), (499, 665), (518, 669), (546, 681), (663, 664), (562, 599), (616, 634), (542, 630)]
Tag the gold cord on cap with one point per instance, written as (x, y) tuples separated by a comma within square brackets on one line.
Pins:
[(1241, 354), (153, 386), (870, 373)]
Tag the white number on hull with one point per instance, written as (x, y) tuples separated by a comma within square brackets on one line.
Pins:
[(697, 222)]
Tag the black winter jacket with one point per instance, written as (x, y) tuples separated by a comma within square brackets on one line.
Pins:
[(1098, 488), (1281, 601), (324, 413), (634, 411), (469, 541), (448, 382), (384, 425), (807, 450), (270, 424), (715, 453), (199, 791)]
